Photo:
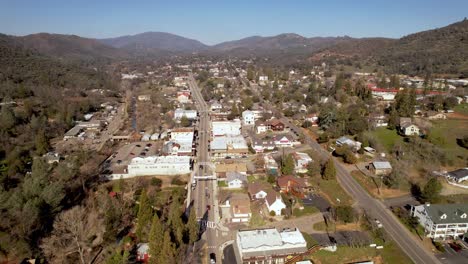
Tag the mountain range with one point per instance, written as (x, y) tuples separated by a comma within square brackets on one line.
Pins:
[(437, 50)]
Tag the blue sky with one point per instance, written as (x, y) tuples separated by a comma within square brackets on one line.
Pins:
[(216, 21)]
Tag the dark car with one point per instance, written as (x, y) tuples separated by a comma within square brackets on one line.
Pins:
[(455, 247), (149, 145), (138, 145), (212, 258), (208, 207)]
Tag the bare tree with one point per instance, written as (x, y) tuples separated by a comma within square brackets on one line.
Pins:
[(76, 232)]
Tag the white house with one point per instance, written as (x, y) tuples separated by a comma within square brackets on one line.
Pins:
[(283, 141), (354, 145), (144, 97), (261, 127), (258, 190), (216, 106), (248, 117), (235, 180), (183, 97), (442, 221), (274, 202), (301, 161), (239, 204), (407, 128), (189, 114), (458, 175), (259, 245)]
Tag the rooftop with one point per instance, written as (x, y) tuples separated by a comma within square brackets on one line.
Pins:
[(447, 213), (459, 174), (382, 165), (268, 237)]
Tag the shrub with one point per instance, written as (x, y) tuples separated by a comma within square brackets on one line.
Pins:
[(177, 181), (156, 182), (272, 213)]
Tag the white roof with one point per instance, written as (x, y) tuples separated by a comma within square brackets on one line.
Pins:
[(160, 160), (269, 237), (303, 156), (233, 142), (226, 127)]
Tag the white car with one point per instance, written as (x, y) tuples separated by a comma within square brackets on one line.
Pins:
[(379, 225)]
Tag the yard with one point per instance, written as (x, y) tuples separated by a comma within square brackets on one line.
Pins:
[(389, 254), (444, 133), (308, 210), (461, 108), (371, 185), (332, 191), (388, 138)]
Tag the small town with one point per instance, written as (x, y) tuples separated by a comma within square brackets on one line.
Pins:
[(155, 148)]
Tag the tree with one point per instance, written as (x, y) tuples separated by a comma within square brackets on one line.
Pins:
[(329, 173), (234, 112), (119, 257), (250, 73), (184, 121), (7, 118), (345, 213), (77, 232), (175, 222), (155, 239), (42, 145), (167, 250), (287, 165), (431, 191), (193, 227), (144, 215)]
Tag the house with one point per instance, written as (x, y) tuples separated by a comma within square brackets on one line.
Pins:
[(261, 127), (222, 169), (352, 144), (301, 161), (432, 115), (144, 97), (291, 184), (235, 180), (248, 117), (274, 202), (283, 141), (143, 252), (268, 245), (378, 121), (52, 157), (258, 190), (380, 167), (189, 114), (183, 97), (442, 221), (458, 175), (313, 119), (260, 145), (180, 82), (407, 127), (271, 166), (275, 125), (239, 204), (215, 106)]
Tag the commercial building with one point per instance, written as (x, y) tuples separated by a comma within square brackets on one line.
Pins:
[(268, 245), (189, 114), (442, 221), (159, 165), (223, 128), (229, 146)]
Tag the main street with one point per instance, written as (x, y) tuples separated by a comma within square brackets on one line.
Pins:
[(204, 195)]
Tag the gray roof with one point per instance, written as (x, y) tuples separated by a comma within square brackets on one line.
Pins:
[(459, 174), (381, 165), (452, 211), (234, 175)]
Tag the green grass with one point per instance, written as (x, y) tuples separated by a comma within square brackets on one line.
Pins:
[(321, 226), (256, 220), (444, 133), (334, 191), (308, 210), (388, 138), (461, 108), (222, 184), (250, 178), (309, 239)]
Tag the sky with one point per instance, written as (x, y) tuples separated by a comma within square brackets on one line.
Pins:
[(213, 22)]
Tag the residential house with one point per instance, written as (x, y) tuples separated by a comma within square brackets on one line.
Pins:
[(378, 121), (442, 221), (432, 115), (215, 106), (183, 97), (143, 253), (258, 190), (144, 97), (313, 119), (407, 127), (248, 117), (458, 175), (268, 245), (235, 180), (352, 144), (275, 125), (260, 145), (274, 202), (261, 127), (240, 207), (301, 161), (271, 166), (293, 185), (283, 141), (52, 157), (380, 168), (222, 169)]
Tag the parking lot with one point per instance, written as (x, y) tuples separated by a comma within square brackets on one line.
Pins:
[(317, 201), (452, 256)]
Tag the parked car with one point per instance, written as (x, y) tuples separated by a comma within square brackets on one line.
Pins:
[(212, 258)]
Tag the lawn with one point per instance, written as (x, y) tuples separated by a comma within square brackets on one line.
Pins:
[(222, 184), (321, 226), (461, 108), (308, 210), (444, 133), (256, 220), (387, 137), (368, 183), (250, 178), (333, 191)]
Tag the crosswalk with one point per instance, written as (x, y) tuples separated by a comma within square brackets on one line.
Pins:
[(207, 224)]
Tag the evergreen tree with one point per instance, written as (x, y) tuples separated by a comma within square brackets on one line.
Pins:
[(431, 191), (155, 239), (167, 250), (287, 165), (193, 227), (144, 216), (42, 145), (329, 173), (176, 224)]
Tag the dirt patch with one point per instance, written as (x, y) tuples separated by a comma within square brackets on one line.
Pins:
[(448, 189), (457, 116), (348, 227)]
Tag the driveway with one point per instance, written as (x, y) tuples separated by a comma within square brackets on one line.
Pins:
[(304, 223)]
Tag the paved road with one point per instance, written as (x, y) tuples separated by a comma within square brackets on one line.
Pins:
[(205, 193), (376, 209)]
